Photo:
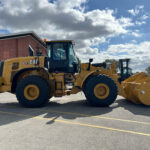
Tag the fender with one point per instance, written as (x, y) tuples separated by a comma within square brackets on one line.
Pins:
[(16, 76)]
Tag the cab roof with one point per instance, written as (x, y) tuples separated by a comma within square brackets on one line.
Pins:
[(56, 41)]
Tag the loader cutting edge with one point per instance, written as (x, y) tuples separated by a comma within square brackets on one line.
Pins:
[(137, 88)]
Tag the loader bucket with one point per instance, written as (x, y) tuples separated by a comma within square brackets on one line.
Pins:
[(137, 88)]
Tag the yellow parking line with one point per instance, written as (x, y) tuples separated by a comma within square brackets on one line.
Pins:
[(77, 123), (100, 117), (86, 115)]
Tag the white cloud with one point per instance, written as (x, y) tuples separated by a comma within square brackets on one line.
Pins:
[(139, 23), (70, 4), (133, 12), (136, 34), (139, 14), (140, 6), (63, 19), (137, 10), (62, 15), (67, 19), (144, 17), (97, 40), (138, 53), (134, 41), (126, 22)]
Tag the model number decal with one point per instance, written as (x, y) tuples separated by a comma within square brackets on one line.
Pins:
[(25, 63)]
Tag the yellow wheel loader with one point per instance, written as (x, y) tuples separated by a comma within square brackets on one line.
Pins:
[(36, 79)]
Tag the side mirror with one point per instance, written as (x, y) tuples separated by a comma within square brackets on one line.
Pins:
[(90, 60)]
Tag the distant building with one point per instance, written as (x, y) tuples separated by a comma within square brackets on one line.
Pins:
[(21, 44)]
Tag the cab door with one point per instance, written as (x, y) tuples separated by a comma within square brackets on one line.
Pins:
[(59, 57)]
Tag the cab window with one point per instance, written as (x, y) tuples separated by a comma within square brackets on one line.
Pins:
[(72, 57), (59, 51), (49, 50)]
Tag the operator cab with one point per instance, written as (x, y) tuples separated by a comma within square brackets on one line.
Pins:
[(125, 70), (61, 57)]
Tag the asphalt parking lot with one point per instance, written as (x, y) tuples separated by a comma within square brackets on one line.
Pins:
[(69, 123)]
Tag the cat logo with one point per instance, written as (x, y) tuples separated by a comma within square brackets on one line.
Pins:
[(34, 62)]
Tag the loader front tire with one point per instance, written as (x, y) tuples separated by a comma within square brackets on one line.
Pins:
[(100, 90), (33, 91)]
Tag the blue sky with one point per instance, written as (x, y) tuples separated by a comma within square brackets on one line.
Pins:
[(122, 7), (108, 29)]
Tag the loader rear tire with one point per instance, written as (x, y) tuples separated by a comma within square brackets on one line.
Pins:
[(33, 91), (101, 91)]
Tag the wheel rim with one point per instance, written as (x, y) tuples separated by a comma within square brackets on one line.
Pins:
[(101, 91), (31, 92)]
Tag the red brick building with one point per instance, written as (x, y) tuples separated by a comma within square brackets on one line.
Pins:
[(21, 44)]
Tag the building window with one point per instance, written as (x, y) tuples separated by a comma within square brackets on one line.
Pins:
[(31, 51)]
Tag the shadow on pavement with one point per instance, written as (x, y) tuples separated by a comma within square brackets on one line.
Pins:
[(137, 109), (74, 109), (13, 112)]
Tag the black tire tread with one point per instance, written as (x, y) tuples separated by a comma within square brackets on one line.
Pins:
[(89, 90), (44, 91)]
